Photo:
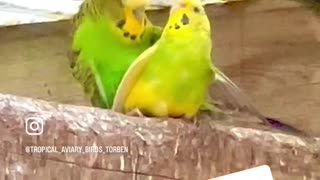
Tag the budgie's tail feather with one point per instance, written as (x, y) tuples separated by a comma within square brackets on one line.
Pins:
[(235, 97), (239, 101)]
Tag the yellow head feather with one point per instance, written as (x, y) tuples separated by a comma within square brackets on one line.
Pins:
[(186, 17)]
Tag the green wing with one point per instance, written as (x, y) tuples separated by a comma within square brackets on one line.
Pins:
[(83, 72), (82, 68)]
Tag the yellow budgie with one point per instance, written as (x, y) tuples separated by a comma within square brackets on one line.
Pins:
[(171, 78)]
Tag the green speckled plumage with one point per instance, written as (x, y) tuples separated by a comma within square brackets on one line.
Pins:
[(101, 53)]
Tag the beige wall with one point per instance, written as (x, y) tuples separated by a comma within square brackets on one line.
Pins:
[(273, 53)]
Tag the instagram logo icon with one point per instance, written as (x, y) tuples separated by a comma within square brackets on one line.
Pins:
[(34, 126)]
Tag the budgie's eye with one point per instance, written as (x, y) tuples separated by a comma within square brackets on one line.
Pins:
[(196, 9)]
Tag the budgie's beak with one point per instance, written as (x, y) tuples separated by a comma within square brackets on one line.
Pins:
[(178, 4), (175, 5)]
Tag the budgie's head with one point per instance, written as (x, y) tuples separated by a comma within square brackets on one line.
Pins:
[(135, 19), (128, 15), (187, 16)]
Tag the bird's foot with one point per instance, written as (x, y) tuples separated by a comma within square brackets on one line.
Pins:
[(195, 120), (207, 107), (213, 108), (135, 112)]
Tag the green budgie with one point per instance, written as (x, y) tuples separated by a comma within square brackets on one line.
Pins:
[(171, 78), (109, 35)]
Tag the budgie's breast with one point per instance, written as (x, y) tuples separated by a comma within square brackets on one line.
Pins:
[(171, 85)]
